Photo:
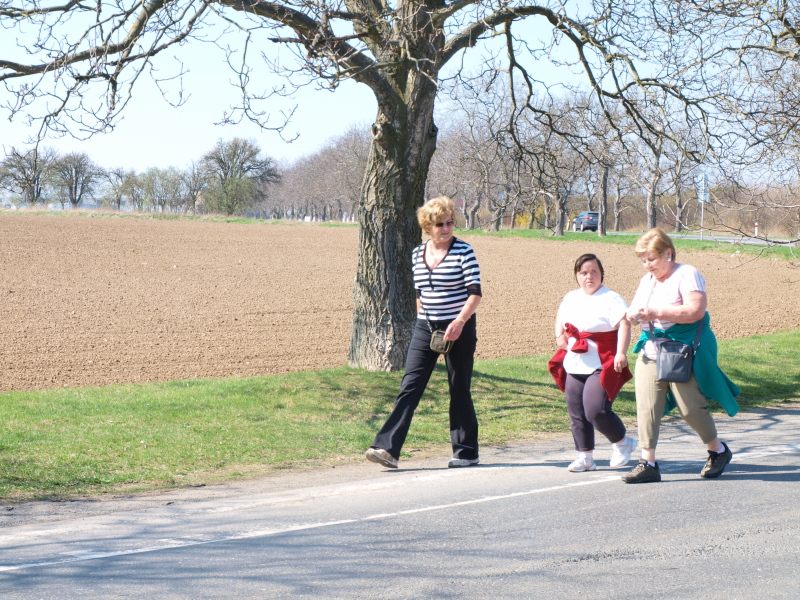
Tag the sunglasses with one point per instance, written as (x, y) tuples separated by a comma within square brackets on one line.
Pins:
[(448, 223)]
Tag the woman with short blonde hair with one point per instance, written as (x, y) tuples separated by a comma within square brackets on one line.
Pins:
[(670, 304), (447, 279), (435, 210), (655, 241)]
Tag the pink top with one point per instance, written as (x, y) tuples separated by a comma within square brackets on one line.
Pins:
[(652, 293)]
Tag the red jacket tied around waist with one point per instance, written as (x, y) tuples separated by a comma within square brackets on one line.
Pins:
[(606, 341)]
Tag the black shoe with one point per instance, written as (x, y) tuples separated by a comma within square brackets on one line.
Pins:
[(716, 463), (643, 473)]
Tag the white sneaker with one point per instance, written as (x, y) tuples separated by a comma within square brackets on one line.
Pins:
[(621, 452), (581, 464)]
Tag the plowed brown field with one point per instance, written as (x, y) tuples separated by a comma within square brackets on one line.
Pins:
[(93, 301)]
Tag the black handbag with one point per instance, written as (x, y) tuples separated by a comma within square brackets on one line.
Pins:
[(438, 343), (674, 359)]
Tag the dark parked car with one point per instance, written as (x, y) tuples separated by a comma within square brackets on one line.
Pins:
[(586, 219)]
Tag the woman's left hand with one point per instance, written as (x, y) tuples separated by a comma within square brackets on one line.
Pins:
[(453, 331), (620, 362), (643, 314)]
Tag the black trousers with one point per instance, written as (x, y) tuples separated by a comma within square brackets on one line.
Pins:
[(420, 363)]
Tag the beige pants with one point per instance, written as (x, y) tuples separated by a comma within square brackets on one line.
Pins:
[(651, 398)]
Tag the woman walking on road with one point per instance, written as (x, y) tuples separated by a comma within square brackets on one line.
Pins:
[(670, 303), (591, 363), (448, 285)]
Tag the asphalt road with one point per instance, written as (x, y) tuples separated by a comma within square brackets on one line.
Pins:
[(518, 526), (717, 237)]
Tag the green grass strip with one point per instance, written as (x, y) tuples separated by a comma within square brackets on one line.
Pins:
[(72, 442), (629, 239), (69, 213)]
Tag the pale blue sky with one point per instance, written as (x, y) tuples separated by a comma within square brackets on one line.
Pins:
[(154, 133)]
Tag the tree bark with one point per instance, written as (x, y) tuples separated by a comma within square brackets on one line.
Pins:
[(651, 199), (403, 143), (601, 221), (472, 214), (680, 205), (561, 212)]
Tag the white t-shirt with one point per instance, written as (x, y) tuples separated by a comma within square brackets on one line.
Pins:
[(670, 292), (595, 313)]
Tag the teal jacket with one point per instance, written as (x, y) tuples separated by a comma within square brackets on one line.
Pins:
[(714, 384)]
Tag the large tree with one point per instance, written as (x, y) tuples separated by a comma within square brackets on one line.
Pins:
[(75, 178), (27, 173), (237, 174), (397, 49)]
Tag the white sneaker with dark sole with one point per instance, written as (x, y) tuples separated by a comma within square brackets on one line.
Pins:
[(382, 457), (463, 462)]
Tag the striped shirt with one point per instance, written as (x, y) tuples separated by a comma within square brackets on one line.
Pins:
[(443, 290)]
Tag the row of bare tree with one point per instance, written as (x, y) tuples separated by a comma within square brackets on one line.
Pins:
[(507, 170), (231, 178), (535, 168), (504, 173)]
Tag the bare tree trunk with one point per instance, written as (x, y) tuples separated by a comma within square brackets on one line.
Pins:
[(601, 221), (472, 214), (651, 199), (532, 213), (548, 205), (514, 211), (618, 208), (680, 206), (561, 212), (404, 140), (497, 219)]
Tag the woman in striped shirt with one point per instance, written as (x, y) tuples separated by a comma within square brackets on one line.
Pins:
[(447, 280)]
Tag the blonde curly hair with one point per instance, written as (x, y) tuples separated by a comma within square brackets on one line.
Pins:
[(435, 210)]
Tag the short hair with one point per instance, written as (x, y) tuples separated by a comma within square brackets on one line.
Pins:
[(584, 258), (434, 211), (656, 241)]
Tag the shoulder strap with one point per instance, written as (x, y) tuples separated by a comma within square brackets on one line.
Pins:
[(695, 343)]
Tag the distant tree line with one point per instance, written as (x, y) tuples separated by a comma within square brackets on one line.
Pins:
[(231, 178), (505, 170), (538, 166)]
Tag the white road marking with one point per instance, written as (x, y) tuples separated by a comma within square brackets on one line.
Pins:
[(84, 555), (93, 555)]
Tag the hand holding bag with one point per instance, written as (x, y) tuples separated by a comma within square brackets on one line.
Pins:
[(438, 343)]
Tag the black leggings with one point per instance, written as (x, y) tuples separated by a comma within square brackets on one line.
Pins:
[(589, 407)]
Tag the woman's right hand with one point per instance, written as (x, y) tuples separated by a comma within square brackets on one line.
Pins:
[(561, 341)]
